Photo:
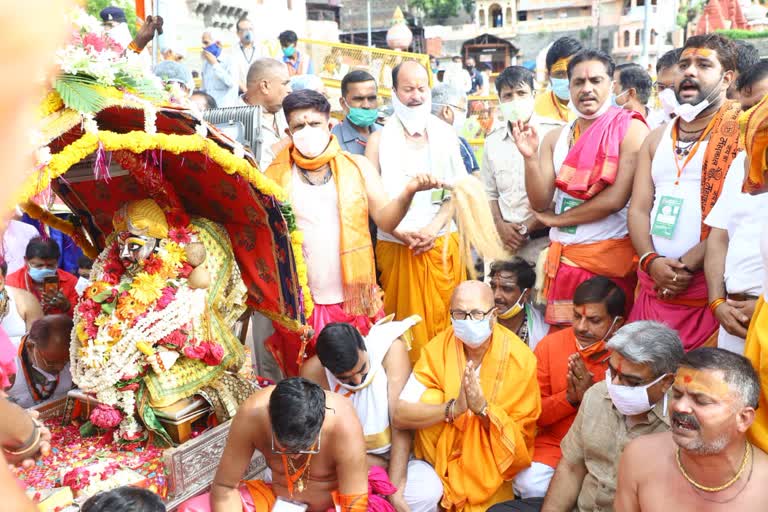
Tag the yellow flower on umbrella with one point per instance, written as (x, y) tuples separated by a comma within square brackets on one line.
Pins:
[(147, 288)]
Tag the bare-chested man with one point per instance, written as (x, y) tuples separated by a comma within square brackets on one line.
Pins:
[(313, 444), (705, 463)]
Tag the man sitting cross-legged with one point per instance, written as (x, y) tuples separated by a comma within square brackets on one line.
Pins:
[(371, 372), (313, 445)]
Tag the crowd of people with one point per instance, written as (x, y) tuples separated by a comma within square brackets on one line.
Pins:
[(616, 331)]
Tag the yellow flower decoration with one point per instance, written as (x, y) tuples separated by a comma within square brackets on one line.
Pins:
[(146, 288), (95, 289), (175, 254), (128, 308), (81, 334)]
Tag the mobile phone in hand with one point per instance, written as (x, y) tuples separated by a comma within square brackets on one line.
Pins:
[(51, 285)]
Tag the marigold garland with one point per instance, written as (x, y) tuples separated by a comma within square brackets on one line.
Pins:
[(139, 142), (66, 227)]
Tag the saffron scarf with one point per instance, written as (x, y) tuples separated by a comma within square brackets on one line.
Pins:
[(722, 148), (753, 129), (593, 162), (361, 293)]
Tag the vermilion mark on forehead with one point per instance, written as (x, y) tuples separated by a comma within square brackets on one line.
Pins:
[(687, 379), (583, 311), (697, 52)]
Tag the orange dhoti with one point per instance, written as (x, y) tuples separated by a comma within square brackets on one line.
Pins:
[(477, 465), (257, 496), (420, 285), (756, 350)]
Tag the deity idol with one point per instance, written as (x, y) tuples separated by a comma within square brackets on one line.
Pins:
[(155, 327)]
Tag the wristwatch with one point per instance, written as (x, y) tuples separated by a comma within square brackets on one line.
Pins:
[(483, 412), (523, 230)]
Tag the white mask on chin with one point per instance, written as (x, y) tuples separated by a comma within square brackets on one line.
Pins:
[(688, 112), (414, 119), (669, 103), (600, 111)]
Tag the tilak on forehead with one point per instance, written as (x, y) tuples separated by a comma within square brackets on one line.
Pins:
[(691, 53), (560, 65), (701, 381)]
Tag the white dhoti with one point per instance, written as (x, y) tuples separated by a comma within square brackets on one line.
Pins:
[(533, 482), (730, 342), (423, 488)]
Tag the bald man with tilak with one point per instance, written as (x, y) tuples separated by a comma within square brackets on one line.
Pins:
[(474, 385)]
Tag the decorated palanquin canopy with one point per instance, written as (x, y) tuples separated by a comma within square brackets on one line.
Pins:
[(133, 149)]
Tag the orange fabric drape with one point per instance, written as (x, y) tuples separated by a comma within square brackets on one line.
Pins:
[(420, 285), (361, 293), (475, 464), (614, 258)]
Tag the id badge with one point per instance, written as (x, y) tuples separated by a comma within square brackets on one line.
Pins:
[(667, 217), (567, 204), (286, 505)]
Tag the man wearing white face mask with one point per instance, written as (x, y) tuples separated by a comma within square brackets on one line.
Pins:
[(332, 192), (632, 88), (681, 172), (630, 402), (666, 102), (503, 168), (416, 274), (450, 105), (474, 386), (586, 170)]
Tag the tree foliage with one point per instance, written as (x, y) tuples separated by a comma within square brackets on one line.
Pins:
[(94, 7), (440, 9), (737, 33)]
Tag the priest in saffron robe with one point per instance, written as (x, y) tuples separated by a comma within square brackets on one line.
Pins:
[(332, 192), (474, 399)]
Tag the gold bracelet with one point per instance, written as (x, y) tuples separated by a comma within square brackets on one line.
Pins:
[(134, 47), (32, 442)]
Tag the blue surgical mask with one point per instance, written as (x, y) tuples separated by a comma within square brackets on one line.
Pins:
[(214, 49), (38, 275), (560, 88), (248, 37), (472, 333), (289, 51)]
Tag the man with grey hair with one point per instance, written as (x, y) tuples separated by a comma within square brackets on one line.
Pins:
[(267, 85), (174, 73), (706, 458), (450, 105), (629, 403)]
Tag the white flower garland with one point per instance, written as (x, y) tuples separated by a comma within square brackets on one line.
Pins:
[(156, 325)]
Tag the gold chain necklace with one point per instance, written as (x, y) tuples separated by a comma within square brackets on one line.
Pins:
[(297, 477), (744, 461)]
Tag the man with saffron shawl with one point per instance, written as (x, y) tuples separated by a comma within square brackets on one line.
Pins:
[(473, 399), (754, 137), (681, 172), (313, 445), (419, 266), (586, 168), (332, 192)]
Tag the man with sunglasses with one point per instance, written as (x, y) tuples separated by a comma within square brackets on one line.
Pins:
[(630, 402), (371, 372), (474, 387), (313, 445)]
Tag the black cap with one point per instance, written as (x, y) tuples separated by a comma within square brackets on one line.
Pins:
[(113, 14)]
